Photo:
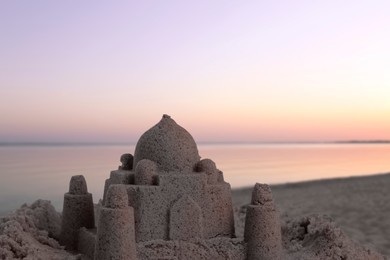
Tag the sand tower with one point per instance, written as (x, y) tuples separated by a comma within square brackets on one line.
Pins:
[(77, 212), (262, 226), (115, 238)]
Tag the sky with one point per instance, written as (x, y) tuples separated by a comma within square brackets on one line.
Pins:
[(262, 71)]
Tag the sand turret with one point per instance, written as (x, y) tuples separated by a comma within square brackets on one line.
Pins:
[(127, 162), (145, 172), (208, 167), (262, 226), (115, 238), (77, 212)]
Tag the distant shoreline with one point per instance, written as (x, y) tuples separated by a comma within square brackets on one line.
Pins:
[(364, 142), (4, 144), (49, 144)]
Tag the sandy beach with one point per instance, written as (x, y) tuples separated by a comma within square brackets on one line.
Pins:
[(358, 205)]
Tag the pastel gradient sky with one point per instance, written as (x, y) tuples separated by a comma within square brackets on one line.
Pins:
[(106, 71)]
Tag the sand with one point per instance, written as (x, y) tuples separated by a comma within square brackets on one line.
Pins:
[(359, 207), (31, 232)]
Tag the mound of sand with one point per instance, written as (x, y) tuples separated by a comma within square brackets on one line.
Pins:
[(30, 232), (316, 237)]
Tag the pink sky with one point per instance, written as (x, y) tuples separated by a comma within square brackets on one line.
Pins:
[(225, 70)]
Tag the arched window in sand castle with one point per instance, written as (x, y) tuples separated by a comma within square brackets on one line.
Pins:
[(185, 220)]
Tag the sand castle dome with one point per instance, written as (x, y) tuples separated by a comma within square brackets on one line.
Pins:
[(169, 145)]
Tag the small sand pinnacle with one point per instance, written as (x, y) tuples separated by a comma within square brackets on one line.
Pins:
[(261, 194), (78, 185)]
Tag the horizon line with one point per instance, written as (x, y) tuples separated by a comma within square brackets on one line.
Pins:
[(63, 143)]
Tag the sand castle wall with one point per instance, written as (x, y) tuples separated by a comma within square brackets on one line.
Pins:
[(152, 203)]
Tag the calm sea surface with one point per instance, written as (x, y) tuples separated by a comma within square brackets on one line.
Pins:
[(31, 172)]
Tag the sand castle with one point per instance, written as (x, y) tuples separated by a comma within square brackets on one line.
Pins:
[(166, 193)]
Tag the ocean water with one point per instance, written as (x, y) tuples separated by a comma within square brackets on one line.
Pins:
[(31, 172)]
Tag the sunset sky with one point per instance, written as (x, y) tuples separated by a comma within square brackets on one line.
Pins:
[(106, 71)]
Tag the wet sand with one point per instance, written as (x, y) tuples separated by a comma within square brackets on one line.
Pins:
[(360, 206)]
